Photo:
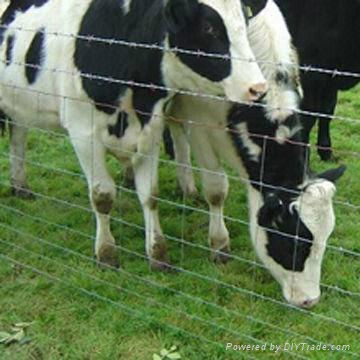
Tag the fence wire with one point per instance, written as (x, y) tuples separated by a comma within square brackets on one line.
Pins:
[(19, 243)]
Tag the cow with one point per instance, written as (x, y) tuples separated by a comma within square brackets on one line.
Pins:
[(327, 37), (290, 209), (104, 71)]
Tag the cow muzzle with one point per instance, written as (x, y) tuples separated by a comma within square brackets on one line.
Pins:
[(300, 299)]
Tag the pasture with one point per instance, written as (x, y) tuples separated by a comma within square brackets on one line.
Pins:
[(48, 275)]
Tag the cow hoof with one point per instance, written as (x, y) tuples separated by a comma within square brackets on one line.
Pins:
[(22, 192), (161, 265), (221, 256), (325, 155), (107, 257)]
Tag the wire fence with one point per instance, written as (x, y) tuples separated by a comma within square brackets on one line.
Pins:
[(202, 301)]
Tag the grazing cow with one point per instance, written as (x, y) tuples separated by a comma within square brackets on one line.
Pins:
[(66, 64), (290, 211), (326, 36)]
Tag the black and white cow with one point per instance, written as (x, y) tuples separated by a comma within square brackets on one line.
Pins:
[(290, 211), (60, 67), (326, 36)]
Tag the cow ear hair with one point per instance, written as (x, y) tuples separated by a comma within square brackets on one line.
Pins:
[(333, 174), (272, 208), (179, 13)]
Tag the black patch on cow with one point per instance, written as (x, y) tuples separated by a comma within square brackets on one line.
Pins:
[(205, 33), (289, 240), (326, 37), (9, 49), (109, 69), (121, 125), (15, 6), (282, 78), (284, 163), (283, 168), (34, 57)]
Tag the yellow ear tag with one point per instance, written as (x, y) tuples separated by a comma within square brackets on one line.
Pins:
[(249, 11)]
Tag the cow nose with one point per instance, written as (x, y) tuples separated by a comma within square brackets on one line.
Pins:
[(308, 303), (257, 91)]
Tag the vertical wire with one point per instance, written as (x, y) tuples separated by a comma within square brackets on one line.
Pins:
[(297, 237), (261, 188), (184, 198)]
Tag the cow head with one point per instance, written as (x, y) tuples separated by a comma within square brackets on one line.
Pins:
[(217, 27), (293, 233)]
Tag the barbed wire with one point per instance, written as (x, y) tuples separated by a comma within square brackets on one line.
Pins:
[(183, 206), (175, 91), (180, 121), (175, 50)]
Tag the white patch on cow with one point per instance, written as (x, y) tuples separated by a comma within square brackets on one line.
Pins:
[(179, 76), (270, 39), (254, 150), (271, 42), (245, 71), (126, 6)]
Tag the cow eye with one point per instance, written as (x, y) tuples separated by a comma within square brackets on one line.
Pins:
[(208, 28)]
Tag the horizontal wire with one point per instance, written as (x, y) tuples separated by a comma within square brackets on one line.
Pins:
[(173, 119), (129, 310), (175, 50), (153, 87), (211, 280), (178, 240), (191, 167), (154, 284), (334, 73), (234, 257), (133, 293), (185, 207)]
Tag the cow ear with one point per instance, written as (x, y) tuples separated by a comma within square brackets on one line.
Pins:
[(179, 13), (255, 6), (333, 175), (272, 208)]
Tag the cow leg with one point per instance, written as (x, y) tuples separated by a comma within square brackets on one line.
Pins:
[(18, 181), (324, 139), (184, 171), (145, 166), (102, 192), (308, 123), (215, 187), (91, 152)]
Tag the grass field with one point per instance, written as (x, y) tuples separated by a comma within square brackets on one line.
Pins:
[(81, 312)]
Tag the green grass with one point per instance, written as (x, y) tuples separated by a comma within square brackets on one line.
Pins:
[(82, 312)]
